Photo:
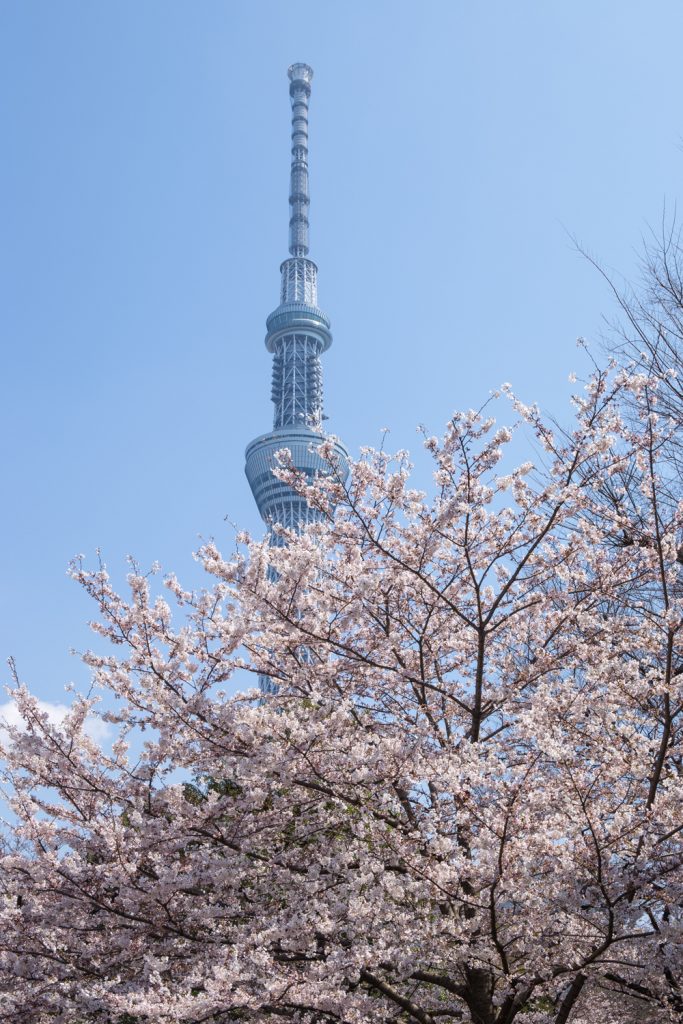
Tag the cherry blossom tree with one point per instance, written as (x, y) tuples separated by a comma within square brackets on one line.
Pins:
[(463, 801)]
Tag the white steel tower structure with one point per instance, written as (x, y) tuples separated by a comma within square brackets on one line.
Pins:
[(298, 333)]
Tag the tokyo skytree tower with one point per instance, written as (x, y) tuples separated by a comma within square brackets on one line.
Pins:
[(298, 333)]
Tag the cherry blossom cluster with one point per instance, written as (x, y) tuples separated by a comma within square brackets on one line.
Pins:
[(463, 799)]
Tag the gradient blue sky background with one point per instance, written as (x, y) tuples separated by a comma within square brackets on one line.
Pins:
[(143, 197)]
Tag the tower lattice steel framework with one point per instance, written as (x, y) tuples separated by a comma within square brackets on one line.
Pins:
[(298, 334)]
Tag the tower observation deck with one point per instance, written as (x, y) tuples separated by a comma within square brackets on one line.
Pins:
[(298, 332)]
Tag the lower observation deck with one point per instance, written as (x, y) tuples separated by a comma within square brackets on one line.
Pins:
[(276, 501)]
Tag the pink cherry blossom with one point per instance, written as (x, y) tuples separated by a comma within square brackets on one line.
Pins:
[(463, 801)]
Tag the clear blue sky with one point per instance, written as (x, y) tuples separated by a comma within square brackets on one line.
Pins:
[(143, 199)]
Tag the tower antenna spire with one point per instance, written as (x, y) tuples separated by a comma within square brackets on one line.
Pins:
[(300, 76)]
